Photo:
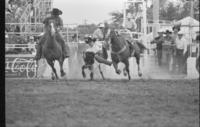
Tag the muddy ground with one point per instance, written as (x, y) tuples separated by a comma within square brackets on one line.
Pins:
[(110, 103)]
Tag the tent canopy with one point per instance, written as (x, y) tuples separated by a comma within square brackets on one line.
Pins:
[(189, 26), (189, 21)]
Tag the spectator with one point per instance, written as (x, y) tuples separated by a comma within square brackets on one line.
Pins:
[(168, 49), (130, 23), (168, 38), (159, 41), (176, 28), (17, 30), (99, 36), (139, 17), (181, 48), (31, 45), (98, 33)]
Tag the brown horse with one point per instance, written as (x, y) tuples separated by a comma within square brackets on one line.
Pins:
[(121, 52), (52, 50)]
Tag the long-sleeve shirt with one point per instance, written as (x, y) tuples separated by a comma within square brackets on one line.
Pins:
[(95, 48), (98, 34), (130, 24), (181, 44)]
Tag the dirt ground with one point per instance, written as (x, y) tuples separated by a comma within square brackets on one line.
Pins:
[(110, 103)]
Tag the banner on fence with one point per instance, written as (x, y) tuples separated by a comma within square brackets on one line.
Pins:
[(20, 67)]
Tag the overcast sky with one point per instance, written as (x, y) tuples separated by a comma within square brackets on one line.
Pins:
[(94, 11)]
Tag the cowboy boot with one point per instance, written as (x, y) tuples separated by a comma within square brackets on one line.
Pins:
[(62, 42), (65, 52)]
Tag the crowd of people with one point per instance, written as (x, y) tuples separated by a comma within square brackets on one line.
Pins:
[(173, 49), (15, 8), (21, 45)]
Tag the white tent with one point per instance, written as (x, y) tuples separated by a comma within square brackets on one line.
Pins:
[(189, 26), (189, 21)]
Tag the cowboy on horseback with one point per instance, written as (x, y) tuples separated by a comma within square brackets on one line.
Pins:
[(59, 25)]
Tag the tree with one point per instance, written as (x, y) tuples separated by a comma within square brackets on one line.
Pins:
[(169, 13), (117, 17), (86, 29)]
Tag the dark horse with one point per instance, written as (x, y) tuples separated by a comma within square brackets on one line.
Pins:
[(89, 59), (121, 52), (52, 50)]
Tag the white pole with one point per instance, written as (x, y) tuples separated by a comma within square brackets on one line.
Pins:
[(124, 15), (190, 25), (144, 20), (155, 17)]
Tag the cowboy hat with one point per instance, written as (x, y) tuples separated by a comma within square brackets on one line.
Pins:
[(89, 38), (168, 32), (56, 11), (101, 25), (160, 31), (177, 26), (180, 33)]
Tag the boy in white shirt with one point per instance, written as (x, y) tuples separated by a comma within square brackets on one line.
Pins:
[(181, 49)]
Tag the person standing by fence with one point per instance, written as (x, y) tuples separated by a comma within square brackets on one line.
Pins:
[(159, 41), (168, 50), (181, 49)]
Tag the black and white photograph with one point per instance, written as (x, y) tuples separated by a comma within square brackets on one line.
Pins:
[(102, 63)]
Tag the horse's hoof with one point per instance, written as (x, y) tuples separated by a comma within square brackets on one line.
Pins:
[(118, 72), (140, 74), (53, 78), (91, 76), (84, 75), (63, 74), (125, 74)]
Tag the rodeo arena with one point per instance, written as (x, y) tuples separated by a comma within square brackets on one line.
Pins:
[(141, 73)]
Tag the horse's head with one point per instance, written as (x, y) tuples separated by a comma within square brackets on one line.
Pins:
[(51, 27), (113, 34)]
